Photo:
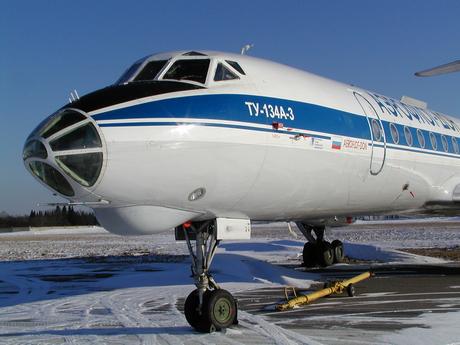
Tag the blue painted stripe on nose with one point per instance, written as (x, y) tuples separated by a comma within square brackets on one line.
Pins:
[(307, 116)]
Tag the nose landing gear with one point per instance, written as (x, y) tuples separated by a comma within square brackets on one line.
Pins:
[(317, 251), (208, 308)]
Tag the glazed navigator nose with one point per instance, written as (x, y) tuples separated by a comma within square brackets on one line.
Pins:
[(65, 152)]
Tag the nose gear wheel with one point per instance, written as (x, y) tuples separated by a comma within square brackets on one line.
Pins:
[(208, 308)]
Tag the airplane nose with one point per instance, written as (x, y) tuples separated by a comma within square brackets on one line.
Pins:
[(65, 152)]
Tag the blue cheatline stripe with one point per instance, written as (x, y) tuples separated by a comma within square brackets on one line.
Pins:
[(222, 125), (230, 107), (393, 147), (207, 124), (307, 116), (415, 141)]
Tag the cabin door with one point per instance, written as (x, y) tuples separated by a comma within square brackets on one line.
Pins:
[(379, 143)]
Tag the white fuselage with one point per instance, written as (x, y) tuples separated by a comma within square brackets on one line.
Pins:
[(276, 144)]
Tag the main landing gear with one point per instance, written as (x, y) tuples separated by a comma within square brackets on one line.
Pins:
[(208, 308), (317, 251)]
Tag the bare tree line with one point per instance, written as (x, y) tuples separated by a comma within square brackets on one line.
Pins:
[(59, 216)]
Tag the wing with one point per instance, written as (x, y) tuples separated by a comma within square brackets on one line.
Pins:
[(444, 200), (443, 69), (441, 209)]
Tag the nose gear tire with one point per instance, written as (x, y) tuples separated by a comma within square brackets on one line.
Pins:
[(197, 320), (221, 308)]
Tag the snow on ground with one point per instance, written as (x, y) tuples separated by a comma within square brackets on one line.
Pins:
[(57, 230), (426, 220), (396, 234), (132, 300), (87, 286), (386, 255), (274, 244), (445, 324)]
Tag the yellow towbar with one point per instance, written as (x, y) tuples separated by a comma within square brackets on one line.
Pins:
[(330, 289)]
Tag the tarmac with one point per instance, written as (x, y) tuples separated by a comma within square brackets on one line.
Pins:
[(392, 300), (62, 300)]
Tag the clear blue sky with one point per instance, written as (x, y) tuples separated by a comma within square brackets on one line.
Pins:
[(48, 48)]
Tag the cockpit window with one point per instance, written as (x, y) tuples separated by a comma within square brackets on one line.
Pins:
[(150, 71), (51, 177), (129, 72), (236, 66), (223, 73), (83, 137), (194, 53), (194, 70), (83, 168), (62, 121), (34, 148)]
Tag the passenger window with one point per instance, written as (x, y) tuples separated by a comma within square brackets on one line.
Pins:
[(394, 133), (150, 71), (421, 138), (376, 130), (408, 136), (434, 142), (445, 144), (223, 73), (455, 145), (236, 66), (194, 70)]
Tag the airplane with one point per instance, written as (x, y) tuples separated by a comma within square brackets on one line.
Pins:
[(207, 142)]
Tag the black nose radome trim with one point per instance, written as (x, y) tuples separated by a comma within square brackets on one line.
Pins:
[(116, 94)]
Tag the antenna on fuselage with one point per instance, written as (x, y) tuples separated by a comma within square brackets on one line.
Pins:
[(73, 96), (246, 48), (442, 69)]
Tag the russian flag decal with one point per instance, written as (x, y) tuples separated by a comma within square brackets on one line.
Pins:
[(336, 144)]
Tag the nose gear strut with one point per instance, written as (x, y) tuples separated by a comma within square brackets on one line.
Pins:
[(208, 308)]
